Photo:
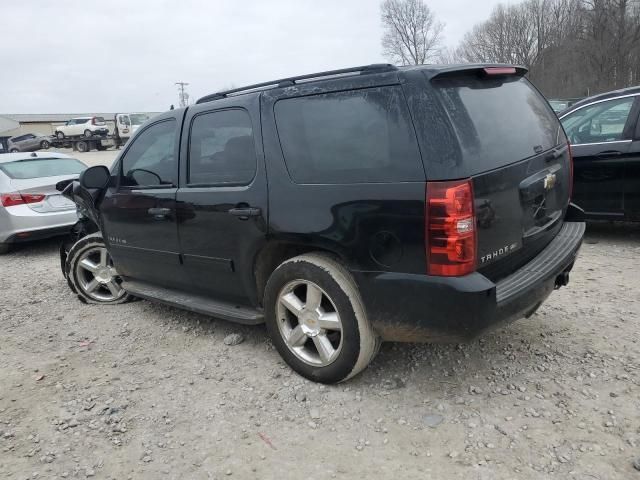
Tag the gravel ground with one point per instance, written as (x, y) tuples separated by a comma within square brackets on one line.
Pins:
[(92, 158), (144, 391)]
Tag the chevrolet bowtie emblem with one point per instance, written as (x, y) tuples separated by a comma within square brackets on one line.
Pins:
[(549, 181)]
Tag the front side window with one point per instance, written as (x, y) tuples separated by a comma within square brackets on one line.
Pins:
[(221, 149), (151, 159), (598, 123), (359, 136)]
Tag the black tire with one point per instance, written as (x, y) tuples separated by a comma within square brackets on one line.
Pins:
[(359, 343), (59, 135), (14, 150), (82, 146), (100, 148), (4, 248), (88, 133), (45, 145), (78, 278)]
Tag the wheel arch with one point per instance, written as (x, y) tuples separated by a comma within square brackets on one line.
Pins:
[(275, 252)]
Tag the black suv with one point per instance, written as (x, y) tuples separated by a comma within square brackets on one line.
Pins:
[(342, 208)]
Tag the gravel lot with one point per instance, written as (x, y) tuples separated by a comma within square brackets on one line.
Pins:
[(144, 391)]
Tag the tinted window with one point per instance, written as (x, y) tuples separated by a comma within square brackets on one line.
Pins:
[(151, 158), (42, 167), (358, 136), (221, 148), (600, 122), (497, 121)]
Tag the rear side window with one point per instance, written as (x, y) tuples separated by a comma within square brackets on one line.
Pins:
[(359, 136), (497, 121), (221, 149), (42, 167)]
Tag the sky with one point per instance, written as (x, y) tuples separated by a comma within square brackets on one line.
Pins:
[(69, 56)]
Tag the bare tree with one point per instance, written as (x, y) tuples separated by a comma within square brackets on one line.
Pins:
[(412, 35), (571, 47)]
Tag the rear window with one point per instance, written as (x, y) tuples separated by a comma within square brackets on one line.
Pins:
[(99, 120), (497, 121), (360, 136), (42, 167)]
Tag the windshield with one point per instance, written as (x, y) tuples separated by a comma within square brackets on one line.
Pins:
[(138, 118), (42, 167)]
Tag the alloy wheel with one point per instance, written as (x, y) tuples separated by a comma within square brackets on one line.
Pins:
[(97, 276), (309, 323)]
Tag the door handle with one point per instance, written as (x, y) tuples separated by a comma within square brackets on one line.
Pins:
[(243, 213), (159, 213), (609, 153)]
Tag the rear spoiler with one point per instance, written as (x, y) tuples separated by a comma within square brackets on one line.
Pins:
[(485, 69)]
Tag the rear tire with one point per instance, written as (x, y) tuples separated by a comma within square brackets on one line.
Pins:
[(59, 135), (316, 319), (88, 133), (14, 150), (4, 248), (45, 145), (82, 146), (91, 274)]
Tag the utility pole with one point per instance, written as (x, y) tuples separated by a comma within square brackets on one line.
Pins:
[(184, 96)]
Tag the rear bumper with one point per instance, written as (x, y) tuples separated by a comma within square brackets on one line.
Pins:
[(423, 308), (22, 224)]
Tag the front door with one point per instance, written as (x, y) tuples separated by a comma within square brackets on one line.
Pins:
[(222, 200), (601, 137), (139, 212)]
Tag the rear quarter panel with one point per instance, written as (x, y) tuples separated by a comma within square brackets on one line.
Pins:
[(371, 226)]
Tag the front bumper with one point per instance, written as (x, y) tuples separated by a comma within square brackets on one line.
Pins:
[(422, 308)]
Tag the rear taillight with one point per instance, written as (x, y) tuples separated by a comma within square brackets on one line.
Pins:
[(450, 228), (13, 199), (570, 171), (93, 121)]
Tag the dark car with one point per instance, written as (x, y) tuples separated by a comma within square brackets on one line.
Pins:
[(342, 208), (605, 140), (28, 142)]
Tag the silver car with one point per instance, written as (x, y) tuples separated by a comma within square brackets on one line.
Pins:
[(30, 206), (28, 142)]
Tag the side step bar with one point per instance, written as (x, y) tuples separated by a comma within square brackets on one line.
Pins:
[(195, 303)]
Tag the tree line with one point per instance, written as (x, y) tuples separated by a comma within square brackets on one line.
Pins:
[(572, 48)]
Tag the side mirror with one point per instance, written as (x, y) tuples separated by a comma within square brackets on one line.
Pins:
[(95, 177)]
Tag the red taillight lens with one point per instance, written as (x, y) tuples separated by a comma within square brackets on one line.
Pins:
[(13, 199), (450, 228), (93, 121), (570, 170)]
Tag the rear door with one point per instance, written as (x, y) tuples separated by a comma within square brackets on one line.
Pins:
[(601, 136), (139, 212), (222, 216), (494, 127)]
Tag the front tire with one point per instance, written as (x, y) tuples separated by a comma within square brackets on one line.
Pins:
[(91, 274), (316, 319), (60, 135)]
